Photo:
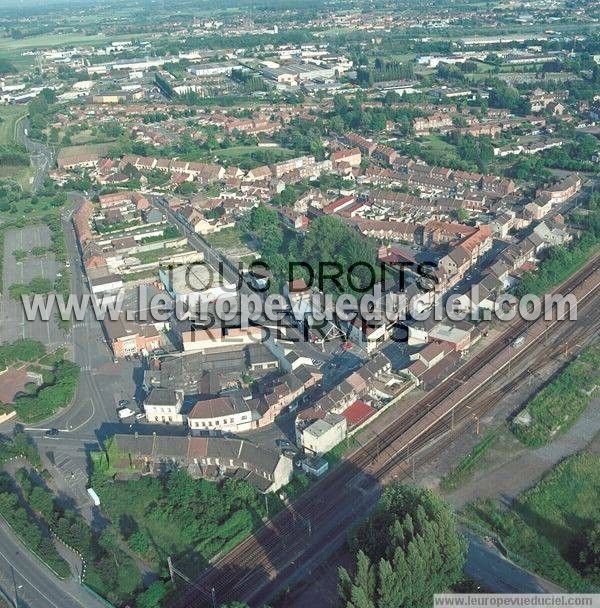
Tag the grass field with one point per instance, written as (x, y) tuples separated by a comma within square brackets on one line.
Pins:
[(13, 49), (226, 239), (22, 175), (558, 405), (11, 115), (548, 523), (439, 150), (253, 156), (8, 46)]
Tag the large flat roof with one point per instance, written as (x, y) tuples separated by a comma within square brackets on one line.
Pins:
[(194, 277)]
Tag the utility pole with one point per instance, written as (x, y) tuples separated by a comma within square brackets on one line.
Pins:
[(171, 570), (213, 595)]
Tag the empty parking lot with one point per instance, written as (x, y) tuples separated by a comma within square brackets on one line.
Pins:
[(14, 324)]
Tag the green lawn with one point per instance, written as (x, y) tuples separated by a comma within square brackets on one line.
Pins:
[(548, 524), (439, 151), (249, 157), (227, 238), (436, 144), (10, 116)]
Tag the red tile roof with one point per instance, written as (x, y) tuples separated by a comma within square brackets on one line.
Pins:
[(358, 412)]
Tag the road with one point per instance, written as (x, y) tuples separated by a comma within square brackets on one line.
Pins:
[(488, 566), (230, 274), (93, 414), (101, 385), (32, 583), (41, 156)]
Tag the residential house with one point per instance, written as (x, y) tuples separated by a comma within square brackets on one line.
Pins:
[(322, 434), (267, 470), (227, 413), (128, 338), (164, 405)]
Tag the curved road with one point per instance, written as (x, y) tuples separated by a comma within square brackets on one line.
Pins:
[(42, 157), (28, 582)]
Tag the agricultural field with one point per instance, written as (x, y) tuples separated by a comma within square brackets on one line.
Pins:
[(9, 118)]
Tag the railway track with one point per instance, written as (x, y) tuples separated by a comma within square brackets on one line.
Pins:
[(432, 444), (334, 502), (402, 465)]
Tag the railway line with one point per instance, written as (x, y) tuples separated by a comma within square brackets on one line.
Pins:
[(575, 337), (432, 444), (332, 504)]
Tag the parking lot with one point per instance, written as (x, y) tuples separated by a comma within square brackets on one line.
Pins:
[(14, 325)]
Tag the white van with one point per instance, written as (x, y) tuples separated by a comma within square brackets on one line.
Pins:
[(125, 413), (95, 498)]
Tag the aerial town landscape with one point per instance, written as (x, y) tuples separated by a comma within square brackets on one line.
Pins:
[(299, 302)]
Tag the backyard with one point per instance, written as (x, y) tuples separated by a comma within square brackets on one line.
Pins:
[(190, 520)]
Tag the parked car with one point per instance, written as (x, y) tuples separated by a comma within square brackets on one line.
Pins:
[(124, 403), (282, 443), (140, 416)]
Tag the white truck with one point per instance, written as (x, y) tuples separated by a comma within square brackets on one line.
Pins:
[(125, 412)]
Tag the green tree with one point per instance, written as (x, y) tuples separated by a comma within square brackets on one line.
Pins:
[(407, 550), (153, 596), (590, 555), (460, 215), (140, 542), (19, 255)]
